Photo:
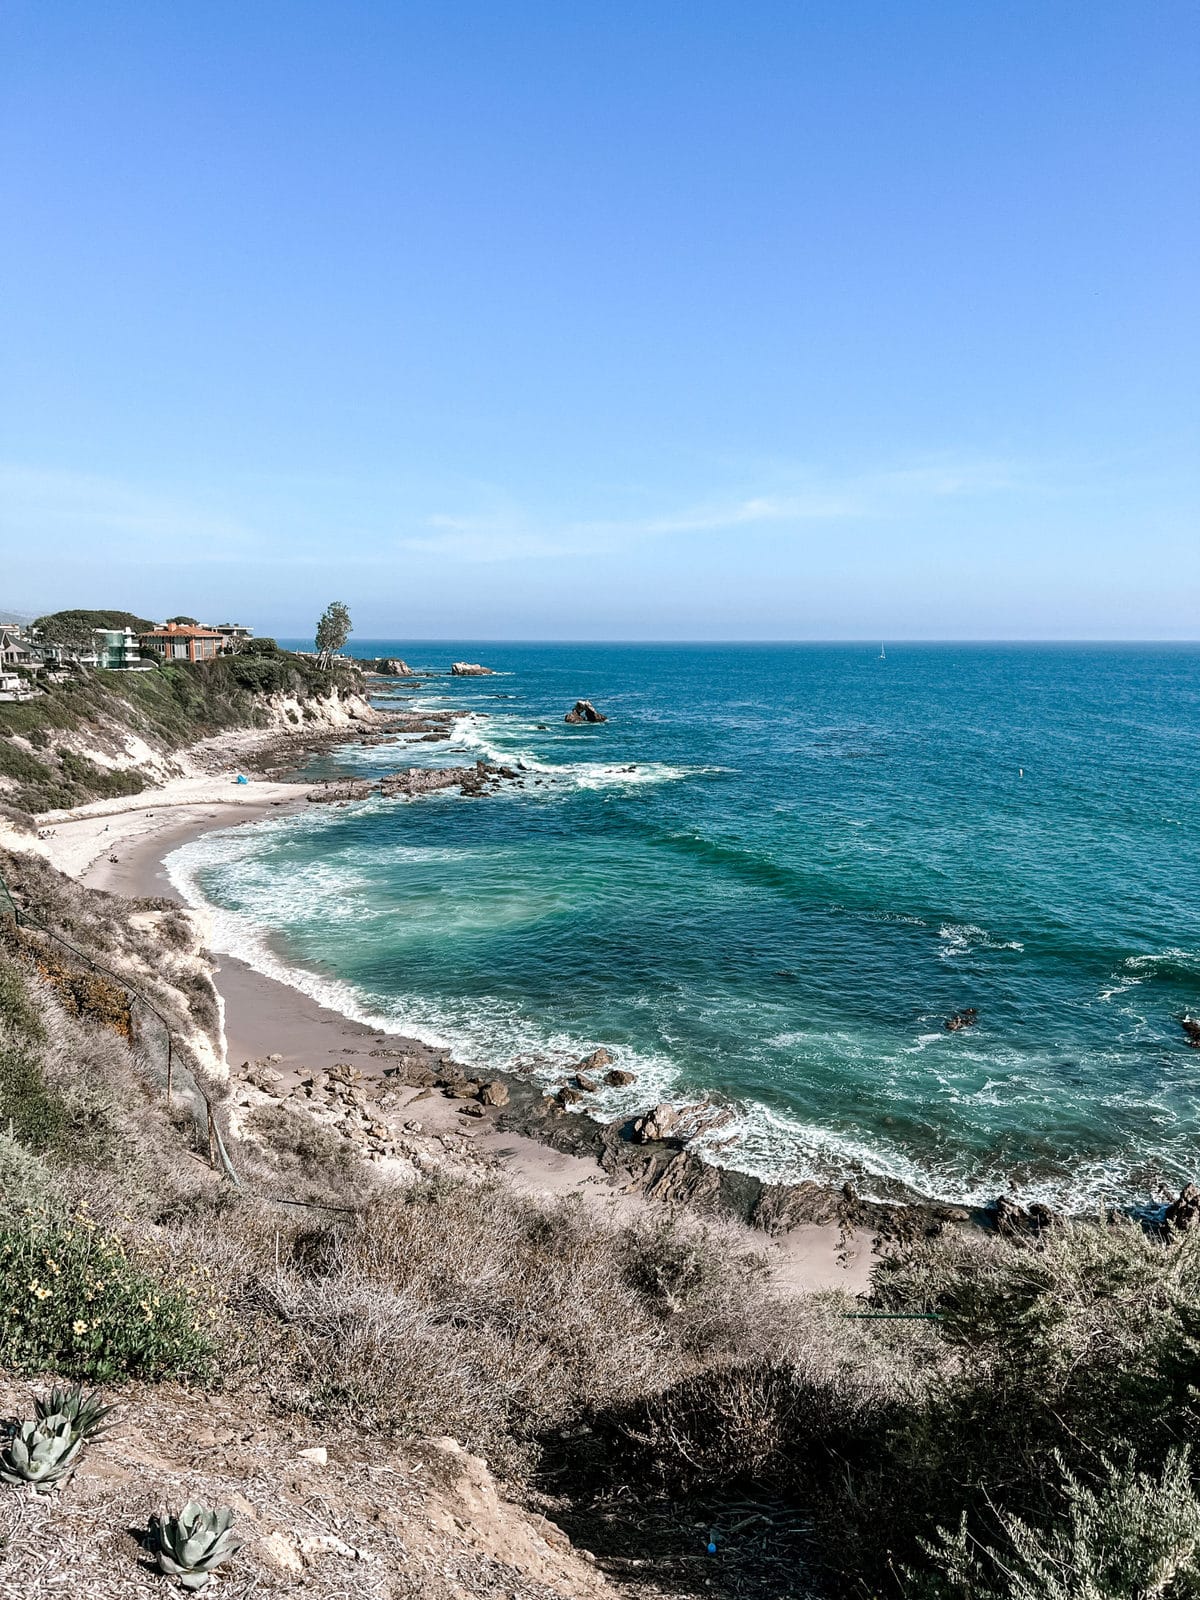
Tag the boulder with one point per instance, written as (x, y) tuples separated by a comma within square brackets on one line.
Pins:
[(615, 1078), (655, 1125), (584, 711), (471, 669), (494, 1093), (1012, 1218), (1183, 1215), (966, 1018), (567, 1096), (1191, 1031), (582, 1081), (595, 1062)]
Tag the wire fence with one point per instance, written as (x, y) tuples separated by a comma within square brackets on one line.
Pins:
[(217, 1152)]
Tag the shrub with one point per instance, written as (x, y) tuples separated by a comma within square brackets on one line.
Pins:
[(1131, 1537), (80, 1303), (28, 1190), (510, 1317)]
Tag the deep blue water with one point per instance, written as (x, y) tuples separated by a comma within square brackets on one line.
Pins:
[(818, 857)]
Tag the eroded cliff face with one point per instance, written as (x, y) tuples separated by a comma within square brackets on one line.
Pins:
[(117, 734)]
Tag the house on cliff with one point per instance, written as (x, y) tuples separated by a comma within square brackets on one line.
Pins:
[(178, 641)]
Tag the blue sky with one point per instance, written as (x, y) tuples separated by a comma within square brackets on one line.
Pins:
[(604, 319)]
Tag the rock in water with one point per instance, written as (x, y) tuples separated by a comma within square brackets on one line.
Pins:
[(584, 711), (594, 1062), (618, 1079), (967, 1018), (471, 669)]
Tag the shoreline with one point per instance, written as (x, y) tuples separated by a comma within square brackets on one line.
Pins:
[(829, 1246)]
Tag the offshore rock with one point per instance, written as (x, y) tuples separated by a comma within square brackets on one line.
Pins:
[(584, 711), (1191, 1031), (593, 1063), (617, 1078), (966, 1018), (471, 669)]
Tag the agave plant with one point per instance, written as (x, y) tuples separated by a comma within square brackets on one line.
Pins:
[(41, 1453), (85, 1412), (193, 1543)]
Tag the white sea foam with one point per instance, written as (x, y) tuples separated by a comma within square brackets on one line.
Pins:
[(1135, 970), (963, 938)]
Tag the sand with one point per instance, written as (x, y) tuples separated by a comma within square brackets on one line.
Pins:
[(120, 846)]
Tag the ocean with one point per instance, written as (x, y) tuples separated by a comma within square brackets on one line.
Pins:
[(770, 878)]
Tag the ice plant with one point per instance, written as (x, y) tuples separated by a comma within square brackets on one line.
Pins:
[(193, 1543), (41, 1453)]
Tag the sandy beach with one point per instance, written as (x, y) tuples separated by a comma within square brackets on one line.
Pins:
[(120, 847)]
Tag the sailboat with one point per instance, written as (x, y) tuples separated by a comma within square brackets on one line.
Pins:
[(882, 653)]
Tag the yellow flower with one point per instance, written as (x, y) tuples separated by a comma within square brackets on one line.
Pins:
[(79, 1327)]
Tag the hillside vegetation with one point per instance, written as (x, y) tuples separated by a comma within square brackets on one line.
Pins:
[(1011, 1420), (42, 767)]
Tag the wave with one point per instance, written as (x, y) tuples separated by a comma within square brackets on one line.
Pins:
[(1174, 966), (964, 938)]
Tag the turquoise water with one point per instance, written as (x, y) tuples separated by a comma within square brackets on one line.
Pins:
[(817, 857)]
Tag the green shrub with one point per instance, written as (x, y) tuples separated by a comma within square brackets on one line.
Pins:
[(1133, 1536), (28, 1189), (99, 782), (80, 1303)]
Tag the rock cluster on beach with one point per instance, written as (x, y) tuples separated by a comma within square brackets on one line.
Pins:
[(584, 711)]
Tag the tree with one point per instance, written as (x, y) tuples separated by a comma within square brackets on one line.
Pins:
[(332, 632), (187, 622)]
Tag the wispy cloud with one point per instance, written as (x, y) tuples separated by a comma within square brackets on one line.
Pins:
[(39, 505), (513, 535)]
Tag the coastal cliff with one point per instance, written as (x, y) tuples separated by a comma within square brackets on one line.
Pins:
[(107, 734)]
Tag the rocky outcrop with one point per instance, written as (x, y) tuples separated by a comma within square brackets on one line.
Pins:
[(339, 793), (1013, 1219), (1191, 1031), (966, 1018), (656, 1125), (617, 1078), (584, 711), (471, 669), (472, 781), (1183, 1215), (389, 667)]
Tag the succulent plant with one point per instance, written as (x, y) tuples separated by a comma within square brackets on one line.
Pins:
[(193, 1543), (85, 1412), (41, 1453)]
